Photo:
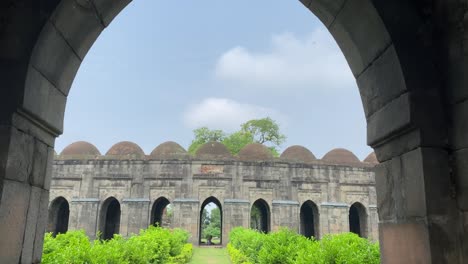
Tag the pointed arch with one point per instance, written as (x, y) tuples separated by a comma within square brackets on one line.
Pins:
[(158, 210), (358, 219), (59, 213), (207, 201), (260, 216), (109, 223), (310, 220)]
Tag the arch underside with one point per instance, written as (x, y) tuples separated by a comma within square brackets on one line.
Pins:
[(410, 78)]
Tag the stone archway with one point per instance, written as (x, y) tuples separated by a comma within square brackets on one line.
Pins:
[(217, 203), (158, 210), (260, 216), (358, 219), (109, 218), (408, 58), (59, 213), (310, 220)]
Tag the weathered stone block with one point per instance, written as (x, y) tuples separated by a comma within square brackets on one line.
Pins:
[(108, 9), (13, 214), (362, 41), (325, 10), (20, 156), (461, 177)]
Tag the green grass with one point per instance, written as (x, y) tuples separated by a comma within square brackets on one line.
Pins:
[(209, 255)]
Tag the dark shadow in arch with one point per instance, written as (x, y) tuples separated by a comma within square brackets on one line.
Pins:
[(158, 210), (208, 200), (260, 216), (310, 220), (358, 219), (59, 213), (109, 223)]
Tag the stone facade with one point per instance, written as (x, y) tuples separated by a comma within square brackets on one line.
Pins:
[(235, 183)]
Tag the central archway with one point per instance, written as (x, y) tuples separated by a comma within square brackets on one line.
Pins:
[(211, 222), (358, 219), (309, 220), (109, 218), (59, 213), (260, 216), (161, 212)]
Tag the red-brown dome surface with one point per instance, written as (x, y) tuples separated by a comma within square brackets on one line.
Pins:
[(126, 149), (168, 151), (340, 156), (213, 151), (371, 158), (80, 148), (255, 151), (298, 153)]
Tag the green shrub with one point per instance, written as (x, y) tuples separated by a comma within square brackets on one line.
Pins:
[(287, 247), (154, 245)]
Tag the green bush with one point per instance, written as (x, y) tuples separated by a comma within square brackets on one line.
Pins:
[(287, 247), (153, 245)]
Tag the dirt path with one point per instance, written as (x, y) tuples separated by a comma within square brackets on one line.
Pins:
[(210, 255)]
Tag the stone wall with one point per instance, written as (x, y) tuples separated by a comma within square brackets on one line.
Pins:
[(285, 186)]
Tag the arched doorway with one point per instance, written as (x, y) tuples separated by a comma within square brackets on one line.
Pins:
[(260, 216), (110, 218), (161, 212), (211, 222), (358, 219), (309, 219), (59, 213)]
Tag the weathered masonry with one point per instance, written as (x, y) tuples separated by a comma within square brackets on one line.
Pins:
[(125, 190)]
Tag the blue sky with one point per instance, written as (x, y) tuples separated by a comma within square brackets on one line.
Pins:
[(164, 68)]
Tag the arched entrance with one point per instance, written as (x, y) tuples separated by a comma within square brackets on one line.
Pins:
[(309, 220), (109, 218), (358, 219), (161, 212), (59, 212), (211, 222), (409, 87), (260, 216)]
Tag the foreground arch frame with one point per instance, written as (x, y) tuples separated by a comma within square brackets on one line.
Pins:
[(408, 58)]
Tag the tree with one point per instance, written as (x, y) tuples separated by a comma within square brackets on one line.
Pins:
[(237, 140), (264, 130), (204, 135)]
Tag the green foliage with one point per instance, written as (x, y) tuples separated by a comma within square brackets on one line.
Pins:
[(204, 135), (211, 223), (286, 246), (153, 245), (263, 131)]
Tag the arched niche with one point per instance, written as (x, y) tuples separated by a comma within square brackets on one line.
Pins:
[(260, 216), (310, 220), (358, 219), (161, 212), (109, 223), (59, 213)]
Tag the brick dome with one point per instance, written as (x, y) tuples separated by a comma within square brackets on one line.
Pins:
[(298, 153), (371, 158), (169, 151), (213, 151), (80, 149), (255, 151), (340, 156), (126, 149)]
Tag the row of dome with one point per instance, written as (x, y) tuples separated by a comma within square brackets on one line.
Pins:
[(210, 151)]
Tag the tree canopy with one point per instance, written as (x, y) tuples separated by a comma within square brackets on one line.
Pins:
[(264, 131)]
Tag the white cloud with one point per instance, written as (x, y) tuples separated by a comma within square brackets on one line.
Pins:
[(313, 62), (226, 114)]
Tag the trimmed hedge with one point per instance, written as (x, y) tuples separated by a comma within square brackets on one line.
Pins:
[(153, 245), (287, 247)]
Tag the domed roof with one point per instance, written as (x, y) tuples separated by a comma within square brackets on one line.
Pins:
[(298, 153), (169, 150), (255, 151), (80, 149), (340, 156), (371, 158), (126, 149), (213, 151)]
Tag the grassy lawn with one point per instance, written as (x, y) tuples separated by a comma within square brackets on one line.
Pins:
[(210, 255)]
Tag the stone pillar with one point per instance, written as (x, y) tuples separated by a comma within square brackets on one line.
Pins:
[(334, 218), (26, 154), (285, 213), (419, 219), (236, 212), (187, 216), (135, 215), (84, 214), (373, 223)]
